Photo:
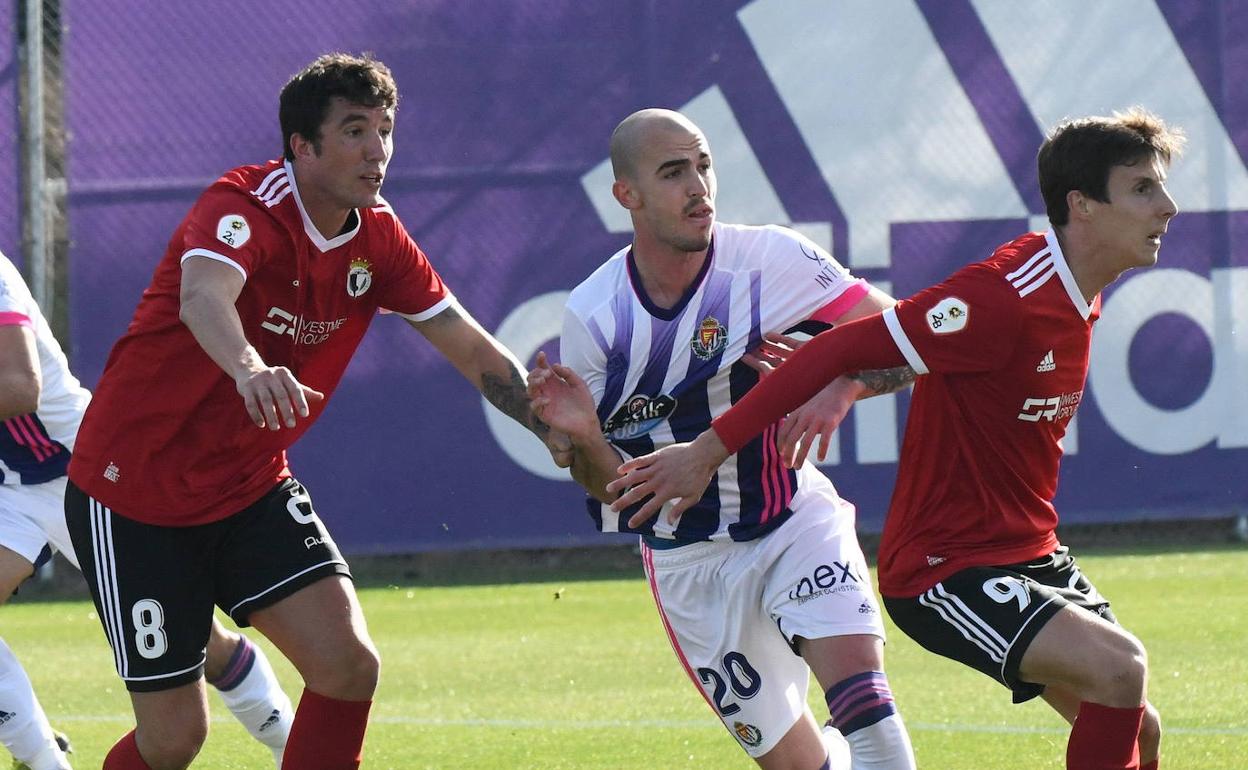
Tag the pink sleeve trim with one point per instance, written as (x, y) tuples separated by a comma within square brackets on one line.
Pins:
[(832, 312), (16, 319)]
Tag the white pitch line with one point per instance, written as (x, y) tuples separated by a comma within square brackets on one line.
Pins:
[(550, 724)]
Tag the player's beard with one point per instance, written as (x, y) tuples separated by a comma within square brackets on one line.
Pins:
[(693, 245), (690, 244)]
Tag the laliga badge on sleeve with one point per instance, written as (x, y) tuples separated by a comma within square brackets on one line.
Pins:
[(948, 316), (233, 230)]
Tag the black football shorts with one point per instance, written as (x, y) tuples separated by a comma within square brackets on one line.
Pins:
[(986, 617), (154, 587)]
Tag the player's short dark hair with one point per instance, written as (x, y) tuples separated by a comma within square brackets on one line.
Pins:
[(1079, 154), (305, 98)]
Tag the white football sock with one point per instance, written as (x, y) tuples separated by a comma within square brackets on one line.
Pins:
[(838, 748), (884, 745), (24, 728), (258, 701)]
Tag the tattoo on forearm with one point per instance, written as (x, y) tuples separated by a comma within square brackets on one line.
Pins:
[(510, 398), (881, 381)]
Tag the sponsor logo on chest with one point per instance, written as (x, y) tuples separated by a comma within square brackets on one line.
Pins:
[(1050, 408), (303, 331), (638, 416)]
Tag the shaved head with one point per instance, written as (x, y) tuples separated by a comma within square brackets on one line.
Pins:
[(634, 132)]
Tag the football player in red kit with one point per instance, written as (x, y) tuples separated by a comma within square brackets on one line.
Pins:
[(180, 496)]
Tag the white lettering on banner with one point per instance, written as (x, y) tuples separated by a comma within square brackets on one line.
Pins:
[(1217, 415), (524, 330), (880, 119), (1046, 46), (880, 130)]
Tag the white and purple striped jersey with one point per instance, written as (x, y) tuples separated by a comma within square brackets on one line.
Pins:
[(660, 376), (34, 448)]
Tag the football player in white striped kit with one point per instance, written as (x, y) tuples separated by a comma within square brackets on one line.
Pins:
[(41, 406), (762, 581)]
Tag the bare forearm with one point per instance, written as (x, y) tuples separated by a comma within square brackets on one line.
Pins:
[(882, 381), (20, 378), (594, 465), (483, 361), (506, 391), (218, 330), (18, 395)]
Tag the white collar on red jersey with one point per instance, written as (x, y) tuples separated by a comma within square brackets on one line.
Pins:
[(314, 235), (1068, 278)]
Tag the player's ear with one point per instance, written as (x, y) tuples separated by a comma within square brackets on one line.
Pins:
[(1077, 203), (626, 194), (301, 146)]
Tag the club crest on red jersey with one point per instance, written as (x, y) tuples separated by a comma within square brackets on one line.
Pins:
[(359, 277), (710, 339)]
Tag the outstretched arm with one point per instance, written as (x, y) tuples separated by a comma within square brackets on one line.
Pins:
[(819, 417), (492, 369), (562, 399), (682, 471), (271, 394)]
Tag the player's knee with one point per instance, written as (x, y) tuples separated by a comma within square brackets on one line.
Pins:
[(351, 673), (172, 747), (1150, 733), (366, 667), (1123, 671)]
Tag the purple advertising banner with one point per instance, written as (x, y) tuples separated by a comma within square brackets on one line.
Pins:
[(10, 202), (901, 137)]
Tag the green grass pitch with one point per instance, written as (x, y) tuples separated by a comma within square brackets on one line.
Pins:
[(509, 676)]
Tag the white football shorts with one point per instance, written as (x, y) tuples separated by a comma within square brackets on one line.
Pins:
[(33, 515), (732, 610)]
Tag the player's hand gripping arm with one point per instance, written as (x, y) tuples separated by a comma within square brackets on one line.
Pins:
[(493, 370), (822, 415), (20, 376), (271, 394), (681, 472), (562, 400)]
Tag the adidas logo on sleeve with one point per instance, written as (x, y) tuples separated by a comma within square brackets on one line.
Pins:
[(1046, 364)]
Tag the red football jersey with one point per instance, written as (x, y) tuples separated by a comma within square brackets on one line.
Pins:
[(1004, 347), (167, 439)]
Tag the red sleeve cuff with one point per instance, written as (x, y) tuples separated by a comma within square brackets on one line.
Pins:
[(862, 345)]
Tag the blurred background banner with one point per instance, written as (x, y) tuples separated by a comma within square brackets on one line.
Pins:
[(899, 133), (10, 148)]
